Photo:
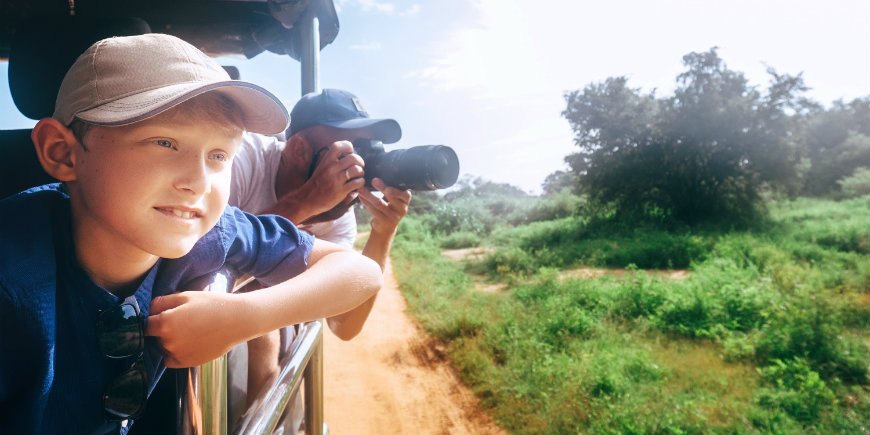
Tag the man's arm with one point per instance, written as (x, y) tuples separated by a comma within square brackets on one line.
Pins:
[(196, 327), (386, 212)]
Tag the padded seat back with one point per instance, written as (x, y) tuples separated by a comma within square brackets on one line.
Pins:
[(19, 167), (41, 52)]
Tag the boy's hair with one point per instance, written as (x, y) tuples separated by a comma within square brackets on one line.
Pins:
[(124, 80), (211, 108)]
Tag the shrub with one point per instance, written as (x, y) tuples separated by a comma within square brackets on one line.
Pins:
[(556, 206), (796, 389), (810, 329), (688, 313), (511, 261), (639, 297), (460, 239), (857, 184), (565, 323)]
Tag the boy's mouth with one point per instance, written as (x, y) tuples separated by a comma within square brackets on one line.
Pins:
[(184, 213)]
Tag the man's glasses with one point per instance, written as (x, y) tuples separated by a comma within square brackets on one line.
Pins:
[(121, 334)]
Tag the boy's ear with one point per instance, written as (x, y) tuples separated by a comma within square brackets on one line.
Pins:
[(54, 144)]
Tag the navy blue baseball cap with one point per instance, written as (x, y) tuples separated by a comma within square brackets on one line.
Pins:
[(340, 109)]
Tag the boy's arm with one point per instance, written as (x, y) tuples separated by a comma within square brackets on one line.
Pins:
[(386, 215), (196, 327)]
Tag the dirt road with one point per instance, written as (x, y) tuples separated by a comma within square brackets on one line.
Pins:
[(392, 379)]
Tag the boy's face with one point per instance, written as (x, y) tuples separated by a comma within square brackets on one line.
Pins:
[(156, 186)]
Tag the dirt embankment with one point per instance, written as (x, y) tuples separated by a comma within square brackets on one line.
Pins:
[(393, 379)]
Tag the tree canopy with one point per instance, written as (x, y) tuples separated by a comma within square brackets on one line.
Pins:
[(837, 144), (703, 154)]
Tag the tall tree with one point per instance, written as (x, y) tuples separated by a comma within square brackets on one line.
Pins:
[(702, 154), (837, 143)]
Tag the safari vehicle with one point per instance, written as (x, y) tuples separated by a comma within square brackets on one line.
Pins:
[(40, 39)]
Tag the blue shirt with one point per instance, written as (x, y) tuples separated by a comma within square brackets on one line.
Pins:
[(52, 374)]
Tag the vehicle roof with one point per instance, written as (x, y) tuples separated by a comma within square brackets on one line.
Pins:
[(217, 27)]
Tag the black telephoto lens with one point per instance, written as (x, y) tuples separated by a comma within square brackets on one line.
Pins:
[(426, 167)]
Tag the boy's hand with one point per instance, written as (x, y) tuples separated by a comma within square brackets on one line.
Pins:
[(197, 326)]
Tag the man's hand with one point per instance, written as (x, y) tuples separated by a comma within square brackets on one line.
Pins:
[(336, 177), (195, 327), (388, 211)]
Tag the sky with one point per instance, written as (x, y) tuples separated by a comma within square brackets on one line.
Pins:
[(488, 77)]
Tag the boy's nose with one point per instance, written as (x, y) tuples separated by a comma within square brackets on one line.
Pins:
[(193, 176)]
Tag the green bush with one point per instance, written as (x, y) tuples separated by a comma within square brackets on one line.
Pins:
[(568, 241), (639, 297), (811, 330), (566, 323), (459, 240), (556, 206), (857, 184), (511, 261), (793, 387), (688, 313)]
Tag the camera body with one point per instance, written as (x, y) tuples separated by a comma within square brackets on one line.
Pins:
[(425, 167)]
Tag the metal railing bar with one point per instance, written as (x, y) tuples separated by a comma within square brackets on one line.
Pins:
[(266, 411), (313, 377), (203, 410)]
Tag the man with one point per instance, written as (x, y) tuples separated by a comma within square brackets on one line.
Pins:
[(314, 177)]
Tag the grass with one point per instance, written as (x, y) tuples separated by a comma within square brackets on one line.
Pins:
[(770, 333)]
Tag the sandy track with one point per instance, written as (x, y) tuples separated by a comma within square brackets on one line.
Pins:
[(393, 379)]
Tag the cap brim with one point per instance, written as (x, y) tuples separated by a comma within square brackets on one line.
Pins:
[(261, 112), (384, 130)]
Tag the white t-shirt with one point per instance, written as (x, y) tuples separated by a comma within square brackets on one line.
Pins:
[(253, 190), (253, 187)]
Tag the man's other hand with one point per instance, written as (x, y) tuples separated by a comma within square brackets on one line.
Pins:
[(388, 211)]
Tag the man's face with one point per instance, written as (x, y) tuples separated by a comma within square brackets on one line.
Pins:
[(154, 187), (319, 138)]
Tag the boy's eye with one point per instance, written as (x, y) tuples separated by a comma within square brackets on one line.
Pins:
[(220, 156), (166, 143)]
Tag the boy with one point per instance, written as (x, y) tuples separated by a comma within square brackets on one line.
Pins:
[(143, 136)]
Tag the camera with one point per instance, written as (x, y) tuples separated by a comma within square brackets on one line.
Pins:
[(425, 167)]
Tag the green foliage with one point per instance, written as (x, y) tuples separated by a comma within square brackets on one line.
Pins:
[(812, 330), (702, 155), (641, 297), (793, 387), (857, 184), (461, 239), (555, 205), (837, 142), (637, 353), (569, 241), (559, 181), (477, 207)]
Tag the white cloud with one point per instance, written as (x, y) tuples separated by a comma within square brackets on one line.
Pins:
[(494, 57), (414, 9), (369, 46), (368, 5), (519, 47)]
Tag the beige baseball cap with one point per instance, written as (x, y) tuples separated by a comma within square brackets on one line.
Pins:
[(123, 80)]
